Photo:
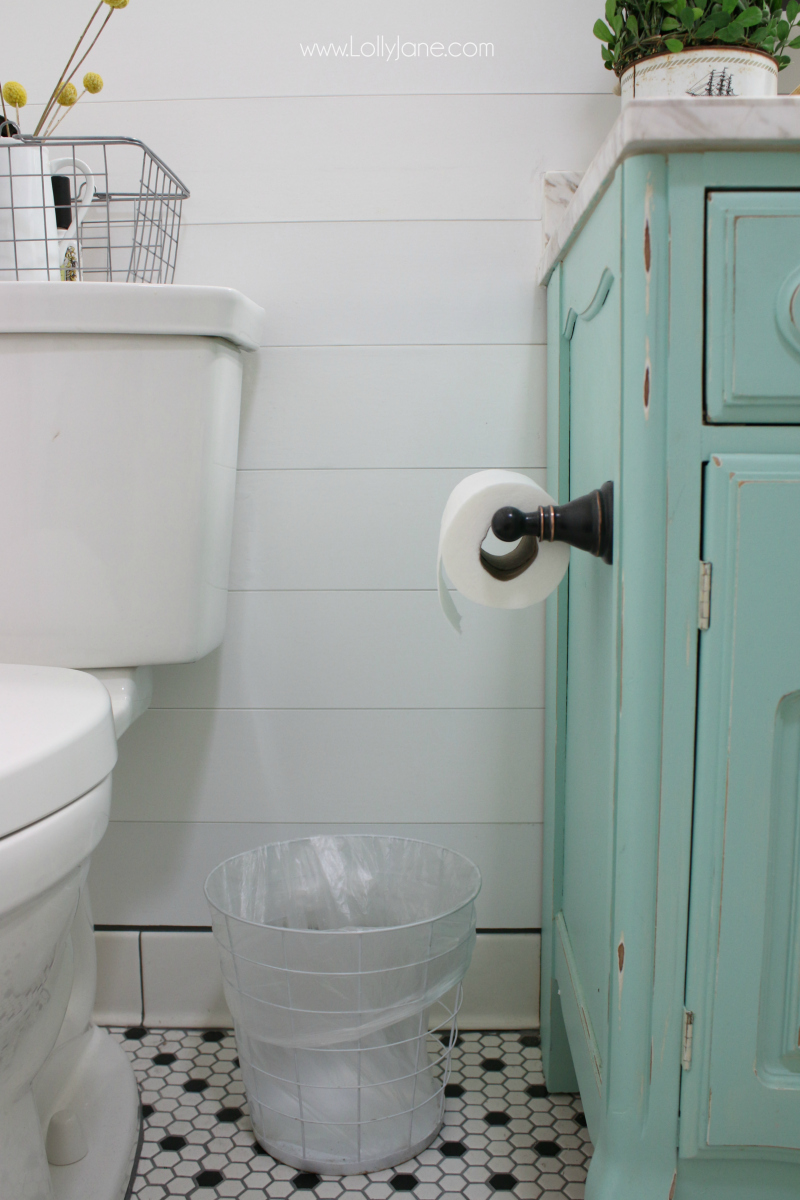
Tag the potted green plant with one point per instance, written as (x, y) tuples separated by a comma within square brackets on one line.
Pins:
[(711, 48)]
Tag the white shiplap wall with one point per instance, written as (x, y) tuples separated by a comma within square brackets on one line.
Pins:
[(387, 217)]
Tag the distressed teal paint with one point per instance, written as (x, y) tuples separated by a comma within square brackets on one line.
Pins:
[(752, 281), (750, 661), (761, 439), (590, 756), (624, 821), (779, 1004), (555, 1046)]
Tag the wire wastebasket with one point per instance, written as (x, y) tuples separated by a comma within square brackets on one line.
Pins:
[(336, 951), (102, 209)]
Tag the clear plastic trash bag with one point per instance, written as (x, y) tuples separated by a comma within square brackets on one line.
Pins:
[(334, 951)]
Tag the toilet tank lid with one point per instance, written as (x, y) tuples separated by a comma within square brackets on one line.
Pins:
[(56, 741), (139, 308)]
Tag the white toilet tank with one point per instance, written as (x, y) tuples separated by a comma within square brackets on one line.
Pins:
[(119, 419)]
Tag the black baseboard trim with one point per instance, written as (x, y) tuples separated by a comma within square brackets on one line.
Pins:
[(207, 929)]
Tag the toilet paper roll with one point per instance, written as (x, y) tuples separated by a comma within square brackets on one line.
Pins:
[(525, 575)]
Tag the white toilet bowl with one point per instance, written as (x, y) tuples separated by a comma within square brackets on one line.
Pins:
[(57, 748), (119, 418)]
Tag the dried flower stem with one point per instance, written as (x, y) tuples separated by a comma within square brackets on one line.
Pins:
[(61, 80), (3, 103), (82, 60), (55, 119), (52, 128)]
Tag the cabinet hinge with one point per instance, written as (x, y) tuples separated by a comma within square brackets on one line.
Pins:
[(704, 607), (686, 1042)]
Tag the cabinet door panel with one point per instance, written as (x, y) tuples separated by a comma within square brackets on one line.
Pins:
[(753, 307), (744, 960)]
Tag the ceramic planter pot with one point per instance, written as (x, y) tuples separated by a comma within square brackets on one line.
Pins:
[(704, 71)]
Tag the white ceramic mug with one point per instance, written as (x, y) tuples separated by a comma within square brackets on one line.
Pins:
[(73, 168), (31, 245)]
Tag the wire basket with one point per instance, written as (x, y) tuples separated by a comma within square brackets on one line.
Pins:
[(361, 1106), (91, 209), (336, 953)]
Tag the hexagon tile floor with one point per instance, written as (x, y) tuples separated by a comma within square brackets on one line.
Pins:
[(502, 1133)]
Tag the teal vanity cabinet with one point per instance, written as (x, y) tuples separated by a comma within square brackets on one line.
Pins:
[(671, 931)]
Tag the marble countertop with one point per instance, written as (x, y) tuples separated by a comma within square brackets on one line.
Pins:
[(653, 126)]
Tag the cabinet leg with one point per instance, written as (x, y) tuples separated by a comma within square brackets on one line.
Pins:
[(635, 1175), (559, 1073)]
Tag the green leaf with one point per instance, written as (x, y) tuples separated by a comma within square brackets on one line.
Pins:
[(633, 24), (687, 17), (698, 12), (750, 16), (795, 44), (784, 29), (706, 30), (759, 35), (783, 61), (602, 31), (792, 9), (611, 8), (669, 23), (617, 24), (734, 33), (673, 45), (720, 19), (729, 5)]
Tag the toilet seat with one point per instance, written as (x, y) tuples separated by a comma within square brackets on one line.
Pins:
[(35, 858), (57, 742)]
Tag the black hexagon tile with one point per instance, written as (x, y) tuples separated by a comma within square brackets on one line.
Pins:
[(403, 1182), (195, 1085), (306, 1181), (503, 1182), (497, 1118), (503, 1133), (229, 1116)]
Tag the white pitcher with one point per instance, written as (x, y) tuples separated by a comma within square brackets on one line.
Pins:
[(31, 245)]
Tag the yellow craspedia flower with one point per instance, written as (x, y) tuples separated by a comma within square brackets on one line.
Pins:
[(15, 94), (117, 3), (68, 95), (93, 82)]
